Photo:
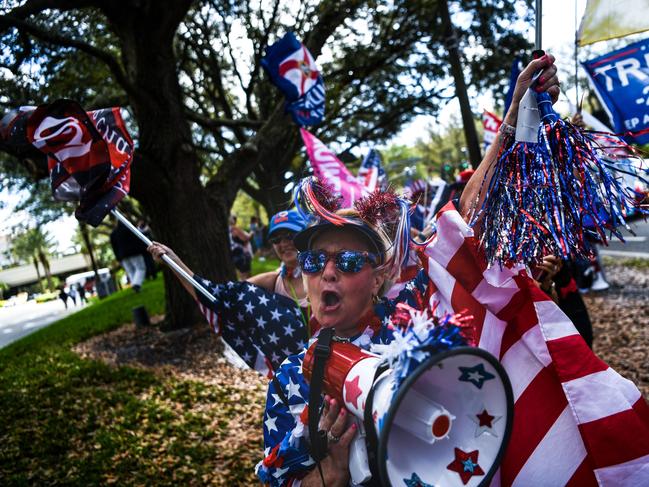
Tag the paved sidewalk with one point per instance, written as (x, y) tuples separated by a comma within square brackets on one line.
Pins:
[(22, 319)]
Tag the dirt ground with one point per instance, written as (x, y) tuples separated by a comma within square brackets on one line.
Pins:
[(620, 319)]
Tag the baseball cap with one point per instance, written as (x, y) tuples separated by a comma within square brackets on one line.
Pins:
[(286, 220)]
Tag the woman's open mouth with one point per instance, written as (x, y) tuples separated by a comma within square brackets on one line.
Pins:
[(330, 301)]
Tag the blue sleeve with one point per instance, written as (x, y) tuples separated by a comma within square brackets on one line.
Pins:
[(285, 434)]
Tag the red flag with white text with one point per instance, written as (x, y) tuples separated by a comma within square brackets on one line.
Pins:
[(88, 155), (490, 123)]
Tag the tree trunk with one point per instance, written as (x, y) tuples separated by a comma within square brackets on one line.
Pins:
[(271, 195), (189, 224), (38, 273), (470, 132), (46, 267), (166, 178), (277, 142)]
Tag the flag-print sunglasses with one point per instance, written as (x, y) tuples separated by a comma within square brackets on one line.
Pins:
[(348, 261)]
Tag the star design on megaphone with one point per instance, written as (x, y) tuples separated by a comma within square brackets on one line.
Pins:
[(415, 481), (353, 391), (466, 464), (484, 422), (477, 375)]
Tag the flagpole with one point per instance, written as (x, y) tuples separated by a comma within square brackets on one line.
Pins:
[(576, 62), (539, 22), (179, 270)]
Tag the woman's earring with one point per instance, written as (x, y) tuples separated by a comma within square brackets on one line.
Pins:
[(375, 298)]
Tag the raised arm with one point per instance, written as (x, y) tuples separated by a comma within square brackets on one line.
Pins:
[(157, 250), (472, 196)]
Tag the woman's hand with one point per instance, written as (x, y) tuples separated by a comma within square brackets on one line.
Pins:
[(157, 250), (550, 265), (547, 81), (472, 197), (549, 268), (335, 466)]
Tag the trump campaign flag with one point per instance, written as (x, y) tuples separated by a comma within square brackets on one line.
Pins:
[(621, 81), (88, 153), (371, 173), (329, 169), (292, 69)]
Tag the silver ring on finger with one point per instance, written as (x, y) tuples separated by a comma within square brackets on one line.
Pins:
[(331, 438)]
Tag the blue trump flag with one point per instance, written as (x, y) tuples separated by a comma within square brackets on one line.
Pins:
[(621, 80), (292, 69)]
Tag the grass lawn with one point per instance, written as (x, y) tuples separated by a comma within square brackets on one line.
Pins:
[(259, 266), (71, 421)]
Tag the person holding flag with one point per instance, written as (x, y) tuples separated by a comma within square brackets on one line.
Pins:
[(266, 317), (576, 421)]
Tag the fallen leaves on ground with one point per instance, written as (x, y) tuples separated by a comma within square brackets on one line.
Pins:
[(226, 401)]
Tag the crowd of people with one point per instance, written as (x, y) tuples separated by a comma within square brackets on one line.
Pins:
[(337, 268), (75, 293)]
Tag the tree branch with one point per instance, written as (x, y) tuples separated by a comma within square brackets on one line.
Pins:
[(261, 47), (213, 124), (7, 21), (255, 193)]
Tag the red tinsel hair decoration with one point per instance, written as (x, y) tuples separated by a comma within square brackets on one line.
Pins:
[(379, 206), (323, 193)]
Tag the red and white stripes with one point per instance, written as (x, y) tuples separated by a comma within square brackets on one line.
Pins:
[(576, 421)]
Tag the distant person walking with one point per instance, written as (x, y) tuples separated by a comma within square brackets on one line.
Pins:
[(73, 293), (82, 294), (257, 233), (240, 248), (63, 296), (129, 251)]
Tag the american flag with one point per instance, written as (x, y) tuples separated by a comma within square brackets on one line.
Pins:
[(371, 173), (577, 422), (262, 327)]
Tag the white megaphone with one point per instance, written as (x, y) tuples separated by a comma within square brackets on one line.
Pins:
[(446, 424)]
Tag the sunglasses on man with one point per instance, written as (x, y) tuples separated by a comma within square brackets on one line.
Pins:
[(348, 261)]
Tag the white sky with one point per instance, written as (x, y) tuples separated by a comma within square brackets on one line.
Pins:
[(558, 38)]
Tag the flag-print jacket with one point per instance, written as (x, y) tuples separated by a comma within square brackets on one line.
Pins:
[(285, 432)]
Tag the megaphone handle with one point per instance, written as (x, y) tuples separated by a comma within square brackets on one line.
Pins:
[(359, 466)]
